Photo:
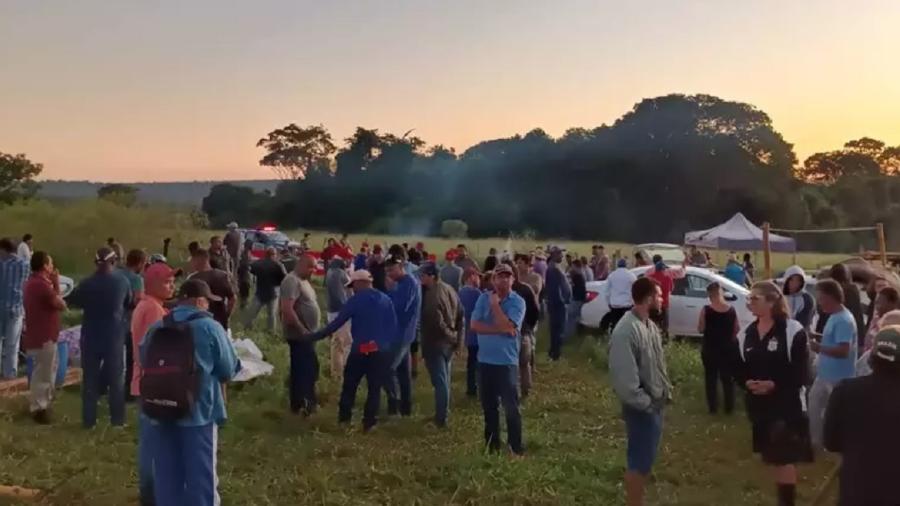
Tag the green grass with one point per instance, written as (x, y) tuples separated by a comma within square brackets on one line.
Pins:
[(268, 457)]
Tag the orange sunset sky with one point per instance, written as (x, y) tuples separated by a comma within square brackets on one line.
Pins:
[(166, 90)]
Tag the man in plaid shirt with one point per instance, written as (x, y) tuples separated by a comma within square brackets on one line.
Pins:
[(13, 273)]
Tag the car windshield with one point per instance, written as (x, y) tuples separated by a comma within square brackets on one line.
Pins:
[(275, 236)]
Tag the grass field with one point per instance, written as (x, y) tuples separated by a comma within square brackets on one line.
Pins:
[(269, 457)]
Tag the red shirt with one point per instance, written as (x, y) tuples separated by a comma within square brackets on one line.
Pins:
[(42, 316), (665, 283)]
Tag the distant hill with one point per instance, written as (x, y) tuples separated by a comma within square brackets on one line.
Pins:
[(180, 193)]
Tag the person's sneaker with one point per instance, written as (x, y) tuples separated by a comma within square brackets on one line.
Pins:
[(41, 416)]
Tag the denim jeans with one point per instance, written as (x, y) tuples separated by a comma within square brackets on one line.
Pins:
[(472, 371), (557, 314), (375, 367), (10, 333), (110, 353), (398, 384), (438, 361), (303, 376), (145, 461), (573, 316), (818, 401), (255, 306), (184, 464), (499, 385)]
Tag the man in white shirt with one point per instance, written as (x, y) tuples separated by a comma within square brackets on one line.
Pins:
[(618, 295), (24, 250)]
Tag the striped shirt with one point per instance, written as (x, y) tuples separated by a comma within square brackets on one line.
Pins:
[(13, 274)]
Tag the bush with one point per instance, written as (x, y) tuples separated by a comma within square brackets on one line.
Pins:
[(454, 229), (72, 231)]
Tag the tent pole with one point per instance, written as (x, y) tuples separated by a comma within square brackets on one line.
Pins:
[(882, 244), (767, 255)]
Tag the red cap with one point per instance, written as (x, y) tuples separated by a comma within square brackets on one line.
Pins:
[(158, 272)]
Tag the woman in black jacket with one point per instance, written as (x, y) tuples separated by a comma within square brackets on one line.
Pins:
[(772, 367)]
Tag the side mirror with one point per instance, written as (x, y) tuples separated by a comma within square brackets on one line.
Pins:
[(730, 297)]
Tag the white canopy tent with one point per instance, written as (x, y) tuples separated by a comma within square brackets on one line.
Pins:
[(738, 234)]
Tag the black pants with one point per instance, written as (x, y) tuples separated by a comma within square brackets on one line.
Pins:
[(611, 319), (500, 385), (375, 367), (304, 374), (716, 369), (472, 371)]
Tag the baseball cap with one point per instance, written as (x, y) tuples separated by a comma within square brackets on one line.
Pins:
[(195, 288), (394, 260), (556, 249), (104, 255), (503, 269), (887, 345), (428, 269), (158, 272), (231, 225), (622, 263), (359, 275)]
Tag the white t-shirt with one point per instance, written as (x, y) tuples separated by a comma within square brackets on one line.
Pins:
[(618, 286), (24, 252)]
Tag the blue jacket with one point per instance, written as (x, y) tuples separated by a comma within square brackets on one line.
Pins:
[(371, 316), (216, 363), (557, 289), (103, 296), (407, 298)]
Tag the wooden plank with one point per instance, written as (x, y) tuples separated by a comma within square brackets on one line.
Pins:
[(19, 386)]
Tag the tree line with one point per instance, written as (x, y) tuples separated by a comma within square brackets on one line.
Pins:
[(671, 164)]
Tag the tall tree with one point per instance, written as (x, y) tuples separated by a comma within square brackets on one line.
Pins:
[(17, 175), (292, 152)]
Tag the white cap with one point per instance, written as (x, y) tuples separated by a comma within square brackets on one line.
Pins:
[(360, 275)]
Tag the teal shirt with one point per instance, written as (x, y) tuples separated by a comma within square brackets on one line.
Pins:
[(216, 363)]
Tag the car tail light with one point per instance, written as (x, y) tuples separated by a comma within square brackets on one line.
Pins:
[(591, 295)]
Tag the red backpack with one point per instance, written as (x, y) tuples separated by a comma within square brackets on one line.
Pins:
[(169, 380)]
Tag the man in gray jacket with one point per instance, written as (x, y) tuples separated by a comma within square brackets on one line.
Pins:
[(637, 370), (336, 280), (443, 329)]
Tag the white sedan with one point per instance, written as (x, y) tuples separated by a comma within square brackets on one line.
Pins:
[(685, 303)]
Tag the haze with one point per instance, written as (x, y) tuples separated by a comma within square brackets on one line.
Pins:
[(168, 90)]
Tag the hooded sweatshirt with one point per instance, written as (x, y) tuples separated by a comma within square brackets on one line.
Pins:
[(802, 305)]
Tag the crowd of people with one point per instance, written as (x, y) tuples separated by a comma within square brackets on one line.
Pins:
[(170, 349)]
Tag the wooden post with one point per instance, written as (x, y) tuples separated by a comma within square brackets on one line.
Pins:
[(767, 254), (882, 244)]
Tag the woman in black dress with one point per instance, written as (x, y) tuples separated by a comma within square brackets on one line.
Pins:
[(719, 326), (772, 368)]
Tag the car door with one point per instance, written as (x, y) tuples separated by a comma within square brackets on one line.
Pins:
[(688, 299)]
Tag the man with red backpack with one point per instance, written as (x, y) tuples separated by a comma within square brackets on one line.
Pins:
[(185, 359)]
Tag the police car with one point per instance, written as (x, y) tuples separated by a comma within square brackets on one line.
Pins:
[(264, 237)]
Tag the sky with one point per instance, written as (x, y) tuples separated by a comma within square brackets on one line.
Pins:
[(169, 90)]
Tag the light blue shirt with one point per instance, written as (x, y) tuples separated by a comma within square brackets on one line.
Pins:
[(499, 349), (735, 272), (216, 363), (840, 328)]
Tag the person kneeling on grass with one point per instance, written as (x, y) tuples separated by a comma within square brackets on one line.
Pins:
[(497, 318), (443, 329), (373, 328), (185, 359), (637, 370)]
